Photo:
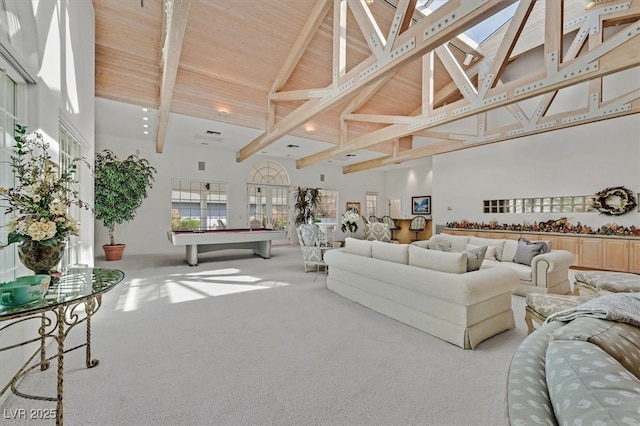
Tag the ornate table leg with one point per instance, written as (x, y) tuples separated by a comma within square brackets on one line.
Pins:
[(44, 364), (90, 308), (60, 312)]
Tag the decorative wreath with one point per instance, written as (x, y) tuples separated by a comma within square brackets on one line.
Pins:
[(603, 199)]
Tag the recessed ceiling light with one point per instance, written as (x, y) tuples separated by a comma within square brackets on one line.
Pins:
[(310, 131), (145, 118), (145, 125), (223, 113), (145, 109), (350, 155), (293, 146), (146, 132)]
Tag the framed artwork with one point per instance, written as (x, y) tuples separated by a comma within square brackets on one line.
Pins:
[(353, 205), (421, 205)]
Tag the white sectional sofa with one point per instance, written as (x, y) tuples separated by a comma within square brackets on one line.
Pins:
[(548, 272), (427, 289)]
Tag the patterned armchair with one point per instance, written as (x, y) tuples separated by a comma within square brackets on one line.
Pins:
[(377, 231), (311, 253)]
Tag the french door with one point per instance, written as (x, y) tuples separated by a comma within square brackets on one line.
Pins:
[(269, 205)]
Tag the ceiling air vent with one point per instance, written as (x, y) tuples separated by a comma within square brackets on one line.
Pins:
[(209, 136), (345, 157)]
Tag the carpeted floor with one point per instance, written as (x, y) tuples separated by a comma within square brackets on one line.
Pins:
[(239, 340)]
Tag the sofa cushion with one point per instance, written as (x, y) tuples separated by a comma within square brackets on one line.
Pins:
[(587, 386), (356, 246), (452, 262), (458, 242), (475, 256), (508, 251), (398, 253), (494, 246), (527, 250), (523, 271)]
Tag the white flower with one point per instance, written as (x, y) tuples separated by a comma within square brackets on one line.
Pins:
[(39, 179), (42, 230), (57, 208)]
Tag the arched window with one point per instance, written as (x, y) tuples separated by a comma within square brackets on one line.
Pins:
[(268, 195), (268, 172)]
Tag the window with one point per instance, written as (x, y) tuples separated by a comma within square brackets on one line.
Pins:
[(198, 205), (268, 194), (371, 204), (8, 118), (567, 204), (327, 210), (70, 148)]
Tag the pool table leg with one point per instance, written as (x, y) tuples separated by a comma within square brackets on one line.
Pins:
[(192, 254)]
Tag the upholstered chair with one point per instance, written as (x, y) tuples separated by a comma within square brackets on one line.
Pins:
[(417, 224), (311, 252), (377, 231), (392, 225)]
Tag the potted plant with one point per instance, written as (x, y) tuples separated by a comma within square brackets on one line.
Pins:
[(40, 202), (307, 199), (120, 188)]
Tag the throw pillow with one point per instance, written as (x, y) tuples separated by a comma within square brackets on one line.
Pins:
[(490, 254), (547, 244), (443, 246), (475, 256), (527, 250), (451, 262), (398, 253)]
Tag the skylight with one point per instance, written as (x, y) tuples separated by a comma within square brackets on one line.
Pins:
[(481, 31)]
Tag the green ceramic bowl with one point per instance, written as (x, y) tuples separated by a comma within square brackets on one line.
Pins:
[(24, 290)]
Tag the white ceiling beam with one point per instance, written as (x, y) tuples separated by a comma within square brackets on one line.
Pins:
[(454, 17), (618, 53), (177, 13)]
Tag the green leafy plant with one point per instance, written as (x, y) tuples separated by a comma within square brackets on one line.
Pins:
[(43, 193), (120, 188), (190, 224), (307, 200)]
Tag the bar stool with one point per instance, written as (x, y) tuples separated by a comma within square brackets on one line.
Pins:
[(417, 224), (392, 225)]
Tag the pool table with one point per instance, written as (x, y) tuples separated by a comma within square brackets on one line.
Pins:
[(258, 240)]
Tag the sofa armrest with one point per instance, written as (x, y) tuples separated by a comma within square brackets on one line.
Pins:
[(556, 259), (551, 269)]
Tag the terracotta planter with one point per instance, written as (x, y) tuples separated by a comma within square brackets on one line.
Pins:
[(113, 252)]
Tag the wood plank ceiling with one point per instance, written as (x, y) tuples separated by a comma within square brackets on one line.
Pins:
[(380, 76)]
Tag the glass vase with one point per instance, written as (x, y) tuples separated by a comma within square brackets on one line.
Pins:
[(40, 259)]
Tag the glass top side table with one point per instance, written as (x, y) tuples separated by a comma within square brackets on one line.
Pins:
[(71, 300)]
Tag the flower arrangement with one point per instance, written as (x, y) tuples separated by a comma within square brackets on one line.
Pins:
[(43, 193), (350, 221)]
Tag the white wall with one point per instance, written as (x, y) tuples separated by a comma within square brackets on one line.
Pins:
[(581, 160), (147, 233), (408, 182), (53, 42)]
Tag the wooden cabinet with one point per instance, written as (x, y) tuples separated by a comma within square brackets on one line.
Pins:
[(570, 244), (590, 253), (634, 257), (615, 255)]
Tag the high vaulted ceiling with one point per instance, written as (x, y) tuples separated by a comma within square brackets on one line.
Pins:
[(381, 83)]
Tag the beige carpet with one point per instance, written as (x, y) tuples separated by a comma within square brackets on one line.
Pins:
[(240, 340)]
